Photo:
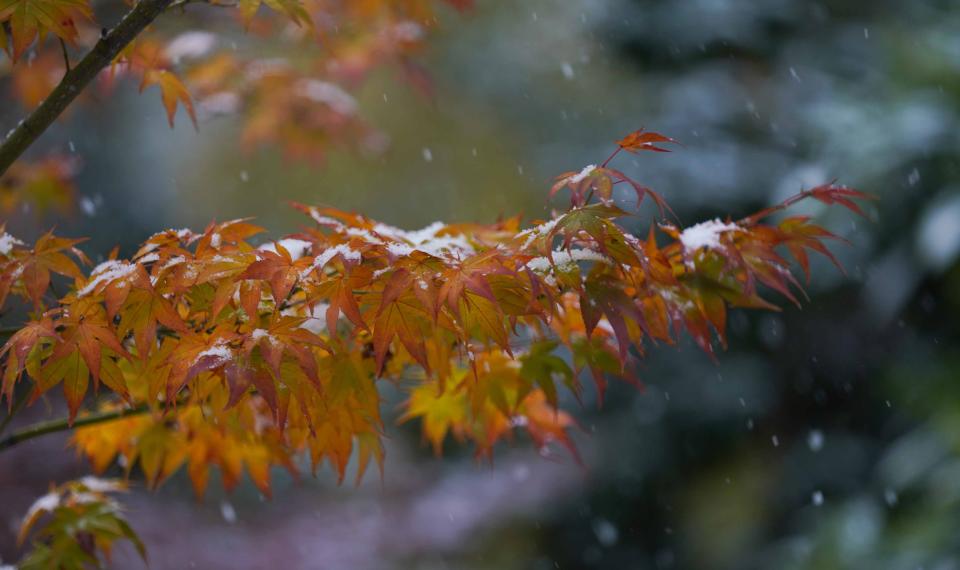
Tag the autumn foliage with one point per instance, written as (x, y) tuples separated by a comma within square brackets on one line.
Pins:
[(226, 349), (248, 355)]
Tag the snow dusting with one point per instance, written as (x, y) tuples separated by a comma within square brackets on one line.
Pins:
[(324, 258), (425, 240), (705, 234), (107, 272), (48, 503), (99, 485), (537, 232), (220, 352), (563, 257), (7, 242), (297, 248), (580, 176)]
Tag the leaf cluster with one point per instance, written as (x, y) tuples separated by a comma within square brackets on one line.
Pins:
[(75, 526), (247, 355)]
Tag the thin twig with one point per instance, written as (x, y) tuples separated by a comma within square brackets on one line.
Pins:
[(66, 56), (611, 157), (182, 3)]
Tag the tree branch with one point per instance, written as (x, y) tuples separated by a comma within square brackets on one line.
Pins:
[(75, 80), (63, 424)]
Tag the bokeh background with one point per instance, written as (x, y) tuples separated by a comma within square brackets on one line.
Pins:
[(825, 437)]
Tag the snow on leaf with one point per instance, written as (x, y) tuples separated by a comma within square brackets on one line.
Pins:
[(7, 243), (706, 234)]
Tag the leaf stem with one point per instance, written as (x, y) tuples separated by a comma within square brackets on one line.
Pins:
[(77, 78), (66, 56), (611, 157)]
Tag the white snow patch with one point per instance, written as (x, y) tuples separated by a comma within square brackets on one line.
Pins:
[(321, 260), (99, 485), (580, 176), (705, 234), (425, 240), (220, 351), (259, 334), (173, 262), (296, 247), (563, 257), (325, 220), (7, 242), (48, 503), (537, 232), (107, 272), (366, 235), (399, 249)]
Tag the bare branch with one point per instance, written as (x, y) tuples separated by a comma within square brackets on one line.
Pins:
[(63, 424), (76, 79)]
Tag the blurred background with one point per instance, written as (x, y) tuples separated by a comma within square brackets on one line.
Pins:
[(826, 437)]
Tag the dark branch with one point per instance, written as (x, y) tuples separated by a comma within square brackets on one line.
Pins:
[(63, 424), (76, 79)]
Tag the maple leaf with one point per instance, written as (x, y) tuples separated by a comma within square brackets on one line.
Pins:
[(19, 347), (833, 194), (33, 268), (30, 19), (279, 269), (441, 411), (546, 425), (143, 309), (642, 140), (172, 92), (607, 298), (338, 292), (541, 366), (85, 337), (400, 315)]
